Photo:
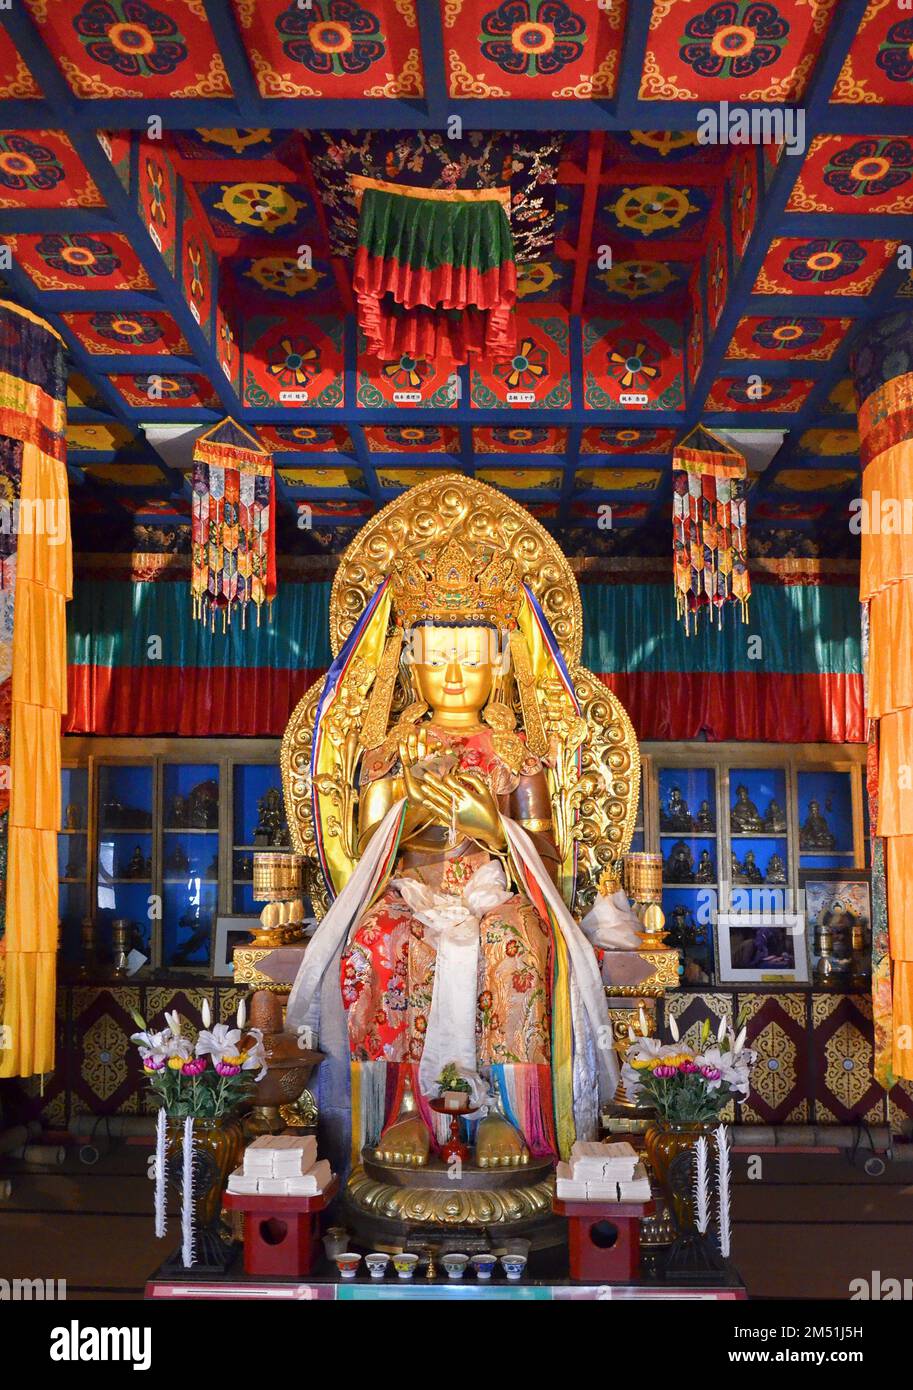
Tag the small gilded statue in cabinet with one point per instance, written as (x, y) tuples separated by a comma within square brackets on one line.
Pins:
[(776, 869), (704, 819), (815, 833), (676, 815), (775, 820), (749, 872), (705, 873), (271, 828), (679, 867), (744, 818)]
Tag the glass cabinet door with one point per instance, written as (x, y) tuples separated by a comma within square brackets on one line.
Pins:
[(73, 859), (125, 886), (190, 862), (758, 836), (825, 819), (258, 822), (688, 842)]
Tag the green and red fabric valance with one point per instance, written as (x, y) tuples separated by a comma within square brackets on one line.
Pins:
[(435, 275), (234, 524), (710, 555)]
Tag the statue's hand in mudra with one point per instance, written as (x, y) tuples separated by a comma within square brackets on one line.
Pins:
[(466, 802)]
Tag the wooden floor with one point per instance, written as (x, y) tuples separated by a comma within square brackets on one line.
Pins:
[(805, 1230)]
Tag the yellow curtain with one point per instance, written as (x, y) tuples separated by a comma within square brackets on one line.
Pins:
[(886, 585), (32, 410)]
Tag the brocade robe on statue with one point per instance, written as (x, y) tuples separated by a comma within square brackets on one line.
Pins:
[(389, 963)]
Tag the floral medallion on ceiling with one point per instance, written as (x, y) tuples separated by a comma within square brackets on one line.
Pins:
[(292, 364), (618, 479), (107, 331), (770, 393), (743, 200), (40, 169), (197, 269), (823, 265), (75, 260), (519, 439), (734, 50), (412, 439), (408, 381), (325, 439), (145, 390), (157, 199), (844, 173), (803, 337), (131, 48), (533, 49), (878, 70), (332, 48), (522, 479), (632, 362), (627, 440), (537, 377)]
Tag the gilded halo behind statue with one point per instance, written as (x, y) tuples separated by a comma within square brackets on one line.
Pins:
[(462, 787)]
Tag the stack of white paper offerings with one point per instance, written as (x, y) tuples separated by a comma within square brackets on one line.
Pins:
[(282, 1165), (602, 1173)]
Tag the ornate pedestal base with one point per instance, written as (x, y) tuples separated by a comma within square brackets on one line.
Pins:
[(392, 1207)]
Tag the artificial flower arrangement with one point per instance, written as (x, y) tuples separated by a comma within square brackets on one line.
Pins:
[(207, 1078), (685, 1086), (204, 1081)]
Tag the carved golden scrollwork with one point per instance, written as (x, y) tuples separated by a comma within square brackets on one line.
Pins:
[(451, 1205), (473, 513)]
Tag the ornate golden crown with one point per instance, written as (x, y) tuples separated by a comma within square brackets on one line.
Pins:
[(458, 585)]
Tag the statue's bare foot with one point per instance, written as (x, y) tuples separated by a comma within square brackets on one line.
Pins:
[(499, 1144), (406, 1141)]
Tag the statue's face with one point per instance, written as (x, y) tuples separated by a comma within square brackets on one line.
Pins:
[(454, 667)]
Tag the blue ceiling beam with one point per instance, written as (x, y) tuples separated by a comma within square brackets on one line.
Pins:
[(434, 65), (315, 113), (246, 97)]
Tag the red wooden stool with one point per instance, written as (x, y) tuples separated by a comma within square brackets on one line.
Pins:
[(603, 1239), (280, 1233)]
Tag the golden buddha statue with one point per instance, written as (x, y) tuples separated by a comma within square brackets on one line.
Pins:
[(462, 785)]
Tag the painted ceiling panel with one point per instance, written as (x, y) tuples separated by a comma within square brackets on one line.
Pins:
[(204, 267)]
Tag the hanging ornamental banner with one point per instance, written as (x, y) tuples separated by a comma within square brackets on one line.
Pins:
[(710, 544), (435, 275), (234, 524)]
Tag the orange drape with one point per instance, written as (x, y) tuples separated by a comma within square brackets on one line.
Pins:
[(886, 584), (43, 585)]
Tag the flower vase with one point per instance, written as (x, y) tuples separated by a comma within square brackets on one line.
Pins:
[(218, 1147), (664, 1140)]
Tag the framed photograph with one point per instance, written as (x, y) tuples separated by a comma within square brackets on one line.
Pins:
[(762, 948), (839, 902), (229, 933)]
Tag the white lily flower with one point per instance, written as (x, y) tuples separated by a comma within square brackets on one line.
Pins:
[(173, 1019), (206, 1015), (256, 1058), (242, 1013), (740, 1040), (156, 1046), (219, 1042), (673, 1028)]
